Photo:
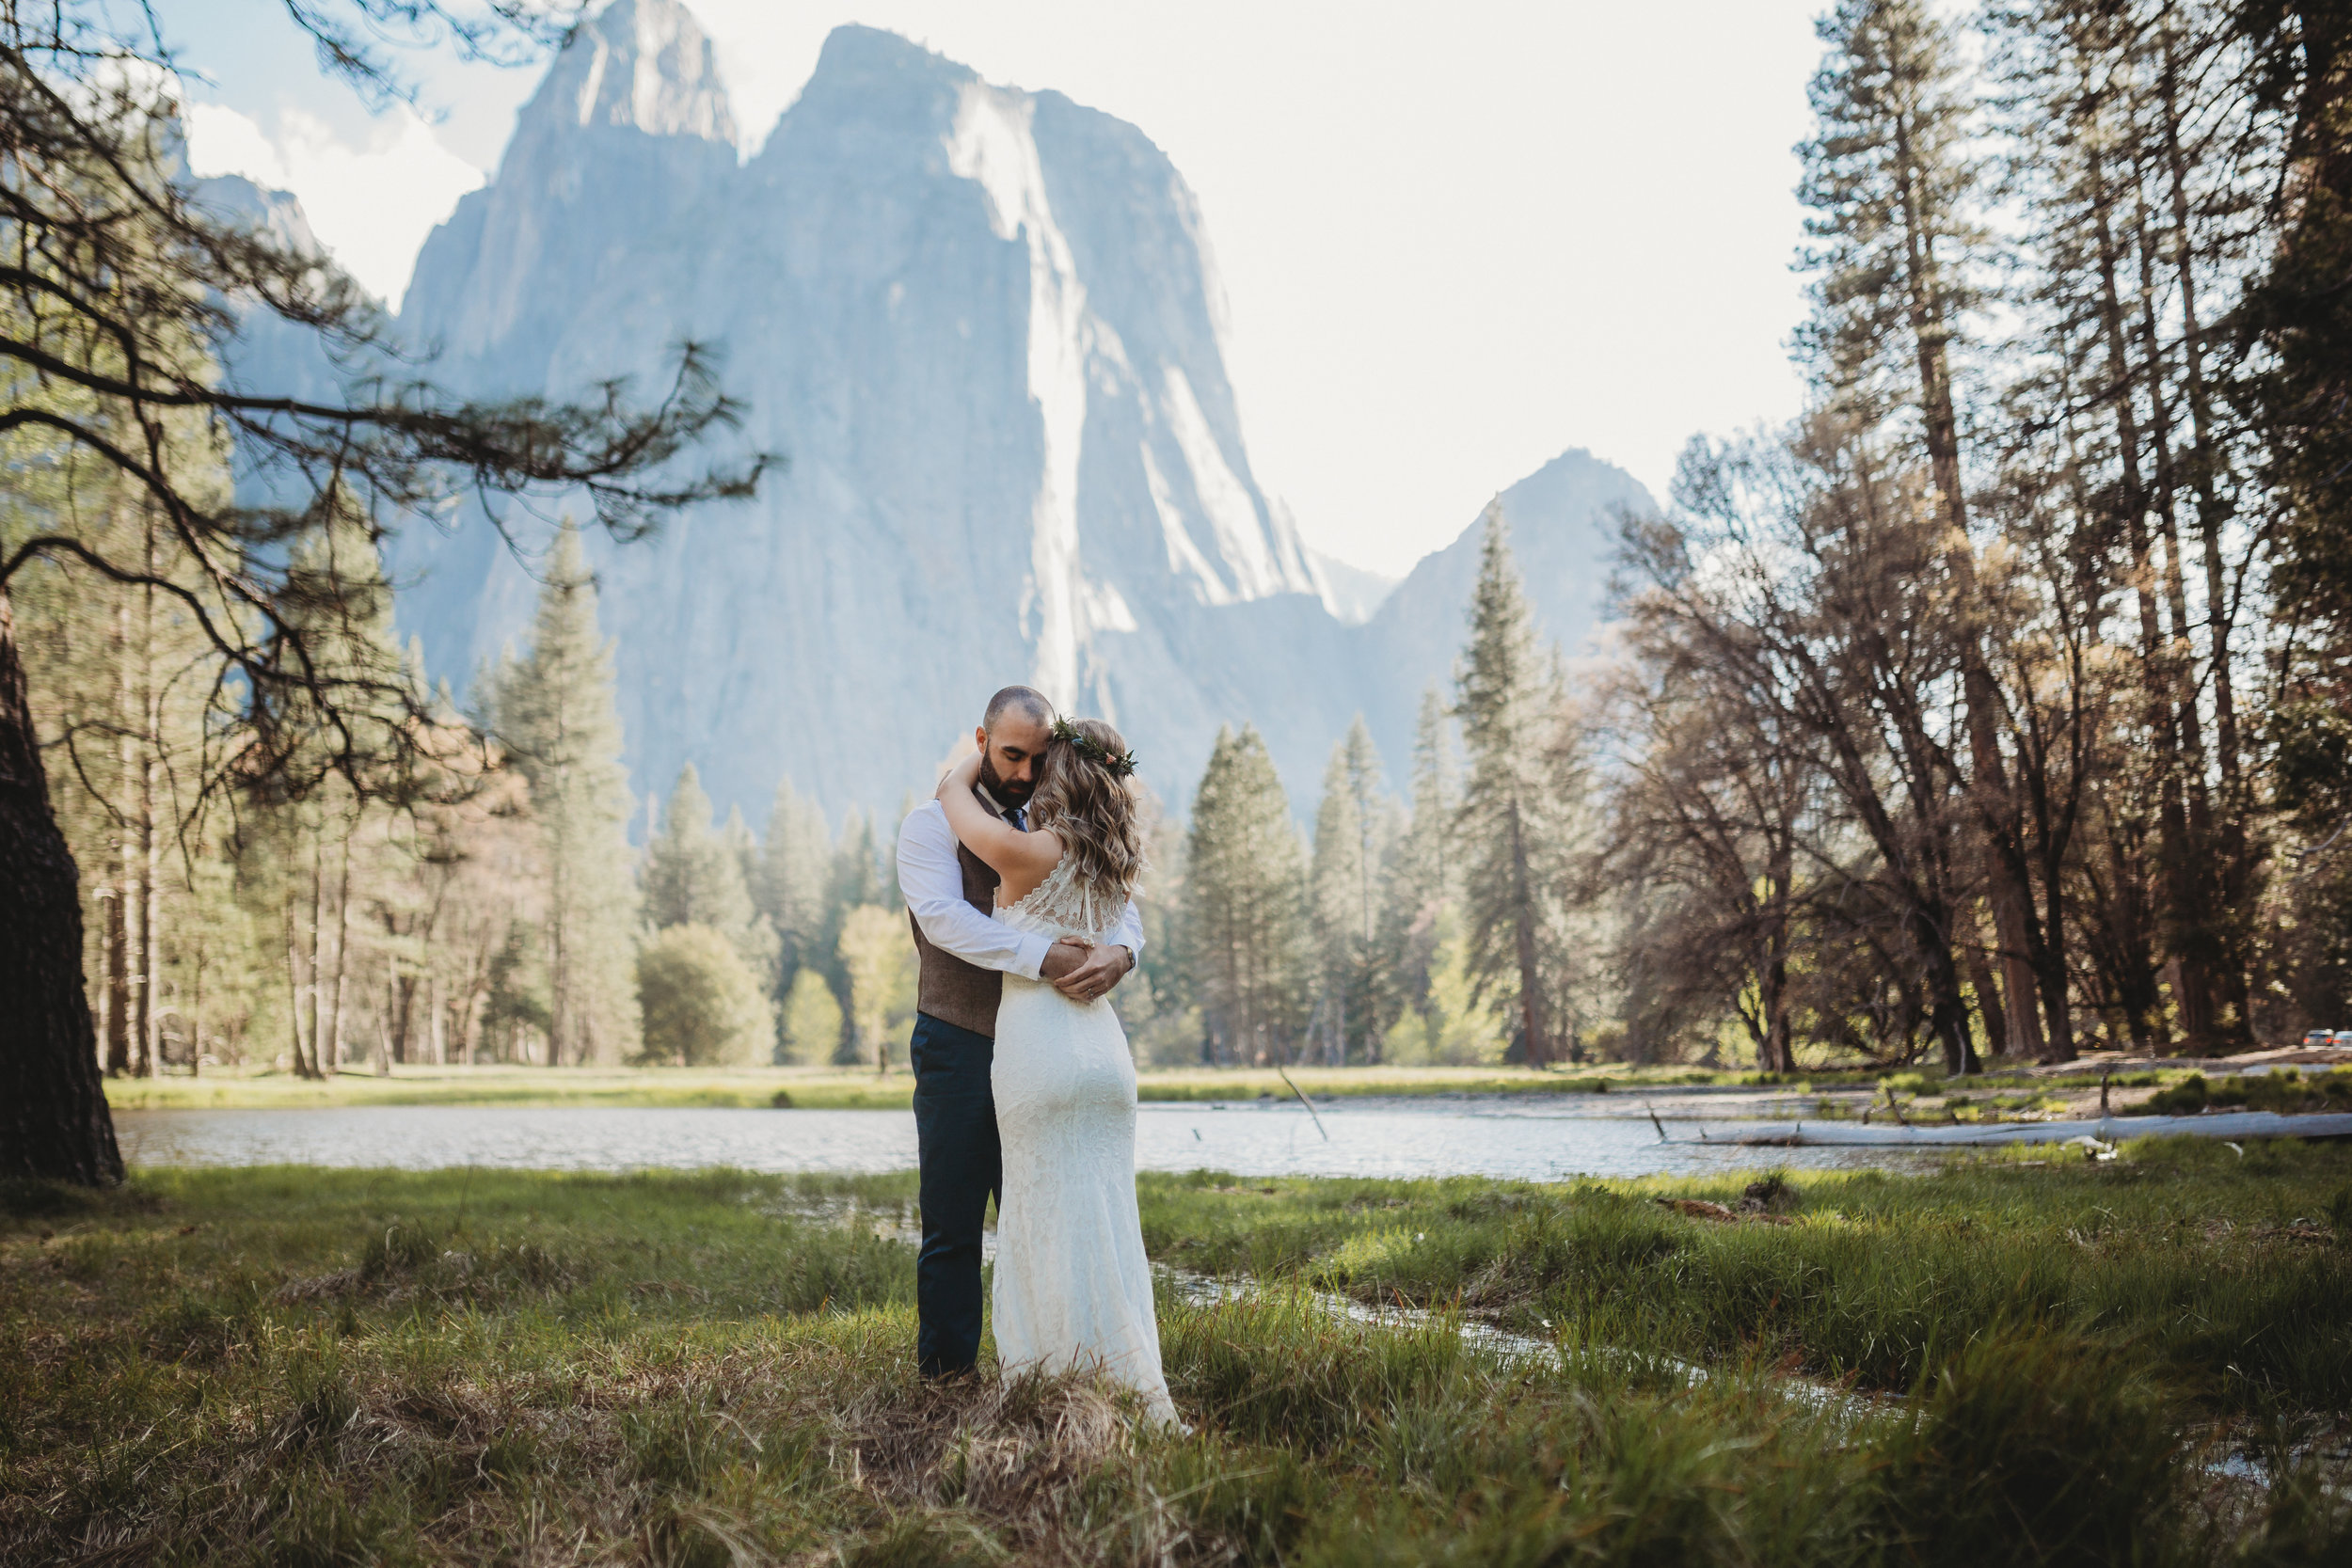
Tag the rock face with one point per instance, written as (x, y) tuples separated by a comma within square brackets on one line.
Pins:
[(982, 328)]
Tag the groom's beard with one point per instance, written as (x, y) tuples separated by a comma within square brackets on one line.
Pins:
[(1011, 795)]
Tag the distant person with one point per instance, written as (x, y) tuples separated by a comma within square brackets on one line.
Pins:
[(1019, 878)]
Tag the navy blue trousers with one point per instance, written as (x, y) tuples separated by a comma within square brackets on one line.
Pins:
[(955, 1130)]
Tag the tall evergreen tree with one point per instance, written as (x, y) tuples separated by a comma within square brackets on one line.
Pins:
[(795, 864), (363, 770), (1245, 905), (556, 714), (1422, 880), (1509, 825), (694, 876), (1355, 825), (1894, 185), (1427, 869)]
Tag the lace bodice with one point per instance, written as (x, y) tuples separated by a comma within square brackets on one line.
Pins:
[(1065, 906)]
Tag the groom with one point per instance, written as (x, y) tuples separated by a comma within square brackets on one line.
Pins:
[(966, 954)]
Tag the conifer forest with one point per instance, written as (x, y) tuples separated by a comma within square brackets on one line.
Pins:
[(1994, 707)]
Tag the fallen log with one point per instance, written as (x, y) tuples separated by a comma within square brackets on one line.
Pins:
[(2223, 1124)]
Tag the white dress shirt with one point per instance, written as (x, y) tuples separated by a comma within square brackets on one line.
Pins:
[(933, 882)]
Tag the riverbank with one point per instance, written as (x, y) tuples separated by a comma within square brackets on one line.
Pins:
[(2048, 1360)]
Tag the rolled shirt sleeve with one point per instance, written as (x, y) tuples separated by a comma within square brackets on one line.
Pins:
[(933, 883), (1128, 933)]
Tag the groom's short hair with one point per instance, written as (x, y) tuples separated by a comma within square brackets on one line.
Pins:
[(1029, 698)]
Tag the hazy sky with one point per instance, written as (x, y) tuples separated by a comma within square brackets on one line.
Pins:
[(1456, 238)]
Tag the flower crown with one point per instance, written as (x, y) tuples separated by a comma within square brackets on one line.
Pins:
[(1120, 766)]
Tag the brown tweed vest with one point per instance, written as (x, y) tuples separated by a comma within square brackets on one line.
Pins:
[(948, 989)]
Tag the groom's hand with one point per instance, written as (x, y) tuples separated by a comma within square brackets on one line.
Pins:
[(1103, 968), (1063, 959)]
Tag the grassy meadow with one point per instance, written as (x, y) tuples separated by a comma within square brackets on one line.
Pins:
[(2037, 1361)]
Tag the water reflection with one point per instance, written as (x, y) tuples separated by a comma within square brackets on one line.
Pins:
[(1389, 1138)]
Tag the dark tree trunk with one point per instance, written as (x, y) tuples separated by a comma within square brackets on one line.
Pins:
[(53, 1122)]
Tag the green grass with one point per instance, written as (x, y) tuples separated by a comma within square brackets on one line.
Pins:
[(2224, 1273), (299, 1366), (2289, 1092)]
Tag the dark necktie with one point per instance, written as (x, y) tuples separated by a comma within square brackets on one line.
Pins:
[(1019, 818)]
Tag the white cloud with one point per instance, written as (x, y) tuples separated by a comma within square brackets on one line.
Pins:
[(372, 206)]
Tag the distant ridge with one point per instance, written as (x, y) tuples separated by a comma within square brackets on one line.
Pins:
[(982, 326)]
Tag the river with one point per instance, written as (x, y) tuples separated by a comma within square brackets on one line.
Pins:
[(1513, 1139)]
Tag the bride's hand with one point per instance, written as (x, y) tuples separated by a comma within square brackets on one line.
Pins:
[(1064, 959), (964, 775)]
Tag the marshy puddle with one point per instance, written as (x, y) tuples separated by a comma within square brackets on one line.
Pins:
[(900, 1223)]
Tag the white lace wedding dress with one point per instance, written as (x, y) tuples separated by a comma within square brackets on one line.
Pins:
[(1072, 1287)]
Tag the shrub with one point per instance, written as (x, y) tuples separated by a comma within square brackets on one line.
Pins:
[(812, 1020), (702, 1005)]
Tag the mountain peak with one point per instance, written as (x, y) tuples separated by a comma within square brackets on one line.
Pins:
[(643, 64)]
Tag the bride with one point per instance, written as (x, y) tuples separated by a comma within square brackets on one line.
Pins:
[(1072, 1287)]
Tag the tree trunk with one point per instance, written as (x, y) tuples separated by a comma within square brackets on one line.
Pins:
[(404, 1010), (105, 967), (1988, 780), (1529, 959), (2156, 698), (196, 1013), (322, 1062), (2189, 869), (1948, 1013), (122, 916), (54, 1121), (151, 842), (116, 989), (342, 954), (1988, 999), (150, 919), (558, 990), (293, 991), (384, 1026)]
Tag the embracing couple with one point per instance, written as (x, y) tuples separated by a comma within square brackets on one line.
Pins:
[(1019, 878)]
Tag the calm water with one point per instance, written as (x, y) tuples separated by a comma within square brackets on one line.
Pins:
[(1391, 1138)]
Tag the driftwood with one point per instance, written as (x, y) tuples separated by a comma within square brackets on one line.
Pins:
[(2222, 1124)]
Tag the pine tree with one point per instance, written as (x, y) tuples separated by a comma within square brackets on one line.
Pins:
[(1423, 881), (694, 877), (122, 709), (555, 712), (1508, 829), (1245, 905), (338, 820), (795, 864), (1431, 877), (1355, 825), (1893, 186)]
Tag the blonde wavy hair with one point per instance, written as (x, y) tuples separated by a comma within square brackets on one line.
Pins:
[(1085, 794)]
